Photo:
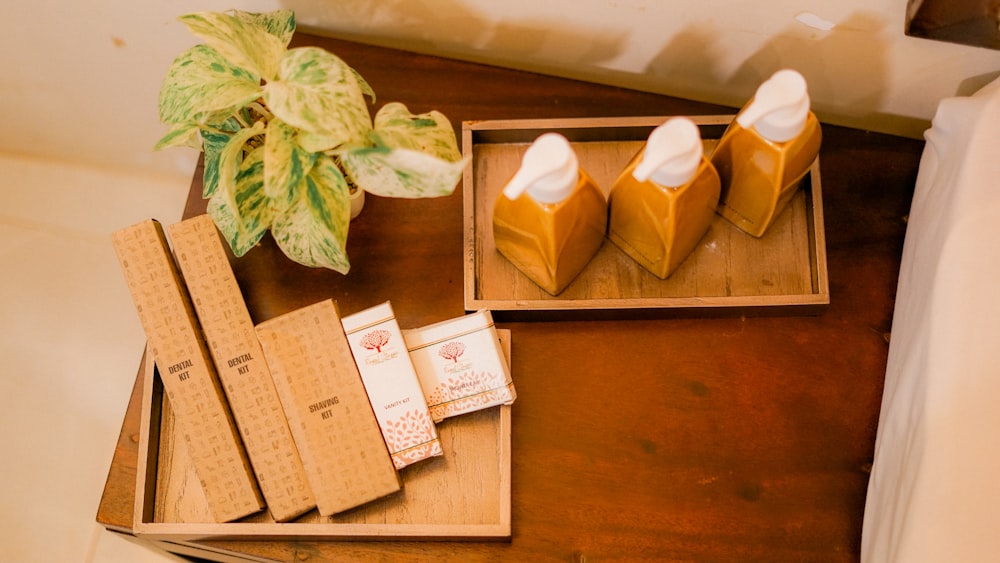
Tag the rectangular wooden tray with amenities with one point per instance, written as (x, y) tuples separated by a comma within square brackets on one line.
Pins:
[(783, 272), (462, 495)]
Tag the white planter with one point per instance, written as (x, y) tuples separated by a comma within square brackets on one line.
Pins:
[(357, 202)]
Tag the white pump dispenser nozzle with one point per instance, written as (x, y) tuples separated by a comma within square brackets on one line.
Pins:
[(779, 108), (672, 154), (549, 171)]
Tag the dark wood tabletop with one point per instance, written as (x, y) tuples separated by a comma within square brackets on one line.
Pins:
[(725, 438)]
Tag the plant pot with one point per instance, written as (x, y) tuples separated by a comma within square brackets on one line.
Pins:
[(357, 202)]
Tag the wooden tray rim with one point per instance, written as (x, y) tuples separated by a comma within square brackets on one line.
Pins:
[(804, 303)]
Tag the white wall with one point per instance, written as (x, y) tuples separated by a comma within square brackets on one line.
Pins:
[(79, 81)]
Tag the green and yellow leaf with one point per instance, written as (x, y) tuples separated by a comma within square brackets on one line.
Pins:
[(285, 164), (180, 135), (401, 172), (319, 94), (213, 141), (244, 43), (201, 84), (230, 160), (313, 230), (363, 84), (279, 23), (430, 133), (245, 218)]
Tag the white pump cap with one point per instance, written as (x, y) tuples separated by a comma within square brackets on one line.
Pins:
[(672, 154), (779, 108), (549, 171)]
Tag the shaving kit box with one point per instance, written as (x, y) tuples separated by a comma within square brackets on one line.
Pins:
[(188, 374), (327, 408), (392, 385)]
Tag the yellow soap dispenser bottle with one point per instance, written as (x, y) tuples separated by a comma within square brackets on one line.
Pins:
[(766, 151), (551, 218), (665, 199)]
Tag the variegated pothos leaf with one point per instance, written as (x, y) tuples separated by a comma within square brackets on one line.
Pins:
[(401, 172), (318, 93), (313, 230), (230, 159), (244, 43), (244, 224), (201, 84), (430, 133), (366, 89), (213, 141), (285, 164), (279, 23), (180, 135)]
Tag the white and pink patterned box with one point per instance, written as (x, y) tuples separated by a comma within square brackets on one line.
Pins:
[(391, 382), (461, 365)]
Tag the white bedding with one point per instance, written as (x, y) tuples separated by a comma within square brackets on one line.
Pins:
[(934, 493)]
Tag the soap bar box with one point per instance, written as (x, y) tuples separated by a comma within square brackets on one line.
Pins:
[(392, 385), (461, 365)]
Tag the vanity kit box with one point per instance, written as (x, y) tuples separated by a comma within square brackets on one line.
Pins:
[(392, 385)]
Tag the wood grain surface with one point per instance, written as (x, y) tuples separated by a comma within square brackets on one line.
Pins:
[(708, 439)]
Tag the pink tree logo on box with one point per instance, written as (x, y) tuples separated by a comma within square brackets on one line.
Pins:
[(376, 340), (453, 351)]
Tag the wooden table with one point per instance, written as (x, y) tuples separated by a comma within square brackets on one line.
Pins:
[(709, 439)]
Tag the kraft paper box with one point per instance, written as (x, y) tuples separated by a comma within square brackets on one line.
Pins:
[(187, 372), (242, 370), (460, 364), (392, 385), (345, 457)]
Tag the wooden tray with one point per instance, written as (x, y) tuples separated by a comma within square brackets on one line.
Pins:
[(783, 272), (464, 494)]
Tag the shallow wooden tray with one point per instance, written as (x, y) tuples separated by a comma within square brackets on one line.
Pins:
[(783, 272), (462, 495)]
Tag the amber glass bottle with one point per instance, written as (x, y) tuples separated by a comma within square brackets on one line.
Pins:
[(664, 201), (551, 218), (765, 152)]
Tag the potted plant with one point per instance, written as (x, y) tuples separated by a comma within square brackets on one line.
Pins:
[(287, 136)]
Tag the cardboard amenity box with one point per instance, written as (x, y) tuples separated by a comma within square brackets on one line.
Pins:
[(239, 361), (335, 430), (461, 365), (392, 385), (188, 374)]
